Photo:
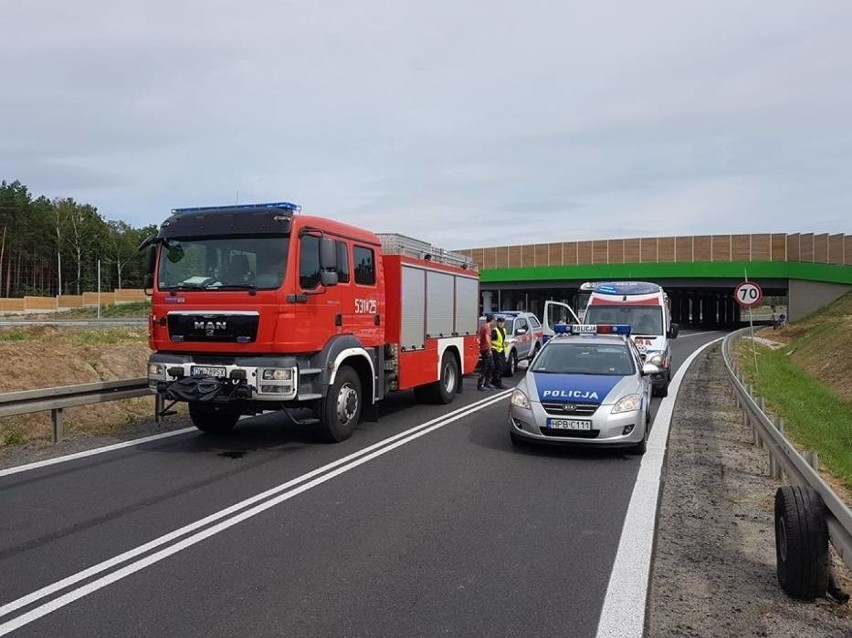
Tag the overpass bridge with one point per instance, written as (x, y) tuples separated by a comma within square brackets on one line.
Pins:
[(801, 271)]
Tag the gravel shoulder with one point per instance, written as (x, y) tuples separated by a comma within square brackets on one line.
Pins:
[(713, 572)]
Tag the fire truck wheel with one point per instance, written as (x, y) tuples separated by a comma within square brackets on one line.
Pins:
[(341, 408), (213, 419), (445, 388)]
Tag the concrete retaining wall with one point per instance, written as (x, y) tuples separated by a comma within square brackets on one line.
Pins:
[(807, 296)]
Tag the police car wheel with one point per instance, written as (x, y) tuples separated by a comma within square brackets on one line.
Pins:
[(642, 447), (517, 440)]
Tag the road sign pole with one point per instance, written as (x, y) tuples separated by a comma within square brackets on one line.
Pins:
[(751, 328), (754, 291), (753, 348)]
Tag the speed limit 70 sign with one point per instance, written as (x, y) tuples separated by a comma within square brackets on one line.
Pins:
[(748, 294)]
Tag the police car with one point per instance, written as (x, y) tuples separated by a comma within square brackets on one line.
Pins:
[(588, 385)]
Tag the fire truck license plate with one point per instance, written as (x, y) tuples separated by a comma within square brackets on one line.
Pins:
[(207, 371), (569, 424)]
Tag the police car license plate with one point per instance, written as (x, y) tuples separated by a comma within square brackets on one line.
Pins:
[(207, 371), (569, 424)]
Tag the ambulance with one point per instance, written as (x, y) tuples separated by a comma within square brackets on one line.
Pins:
[(642, 305)]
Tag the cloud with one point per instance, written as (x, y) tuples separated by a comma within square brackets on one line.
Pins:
[(464, 123)]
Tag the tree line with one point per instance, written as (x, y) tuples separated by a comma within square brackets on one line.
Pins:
[(51, 247)]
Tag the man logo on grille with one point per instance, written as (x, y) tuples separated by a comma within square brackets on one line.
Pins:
[(210, 327)]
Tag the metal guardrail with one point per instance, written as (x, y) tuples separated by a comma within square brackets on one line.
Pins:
[(784, 457), (55, 399), (74, 323)]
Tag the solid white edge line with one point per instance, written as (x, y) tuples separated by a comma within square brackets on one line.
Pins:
[(367, 453), (623, 612), (98, 450)]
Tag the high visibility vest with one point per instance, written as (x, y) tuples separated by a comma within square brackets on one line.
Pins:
[(498, 339)]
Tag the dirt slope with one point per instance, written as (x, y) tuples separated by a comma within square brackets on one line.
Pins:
[(45, 356)]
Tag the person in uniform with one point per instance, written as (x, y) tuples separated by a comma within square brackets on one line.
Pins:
[(498, 350)]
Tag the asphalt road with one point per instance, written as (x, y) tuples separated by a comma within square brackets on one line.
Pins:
[(446, 531)]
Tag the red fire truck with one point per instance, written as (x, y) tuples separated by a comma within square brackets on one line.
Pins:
[(259, 307)]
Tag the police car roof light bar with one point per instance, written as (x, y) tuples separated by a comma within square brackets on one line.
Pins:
[(294, 208), (592, 329)]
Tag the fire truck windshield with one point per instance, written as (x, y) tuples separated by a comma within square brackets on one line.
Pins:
[(643, 320), (210, 263)]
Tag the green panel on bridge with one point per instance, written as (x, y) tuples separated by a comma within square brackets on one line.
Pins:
[(831, 273)]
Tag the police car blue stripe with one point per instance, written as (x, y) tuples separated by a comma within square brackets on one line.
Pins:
[(582, 388)]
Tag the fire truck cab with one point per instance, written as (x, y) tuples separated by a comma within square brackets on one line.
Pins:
[(259, 307)]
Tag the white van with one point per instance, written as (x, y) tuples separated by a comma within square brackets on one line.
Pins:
[(642, 305)]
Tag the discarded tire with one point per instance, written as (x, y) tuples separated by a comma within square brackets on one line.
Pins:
[(801, 542)]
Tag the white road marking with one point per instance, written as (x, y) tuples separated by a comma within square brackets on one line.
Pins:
[(283, 492), (92, 452), (623, 613)]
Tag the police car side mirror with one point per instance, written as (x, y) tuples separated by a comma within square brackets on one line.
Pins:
[(521, 331), (650, 368), (523, 365)]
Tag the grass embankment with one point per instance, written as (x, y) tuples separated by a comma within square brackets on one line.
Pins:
[(806, 377), (115, 311)]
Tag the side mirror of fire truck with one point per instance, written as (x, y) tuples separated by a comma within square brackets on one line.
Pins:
[(328, 262), (150, 263)]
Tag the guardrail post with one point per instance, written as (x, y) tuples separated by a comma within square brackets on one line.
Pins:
[(762, 405), (158, 407), (812, 458), (779, 473), (774, 466), (56, 421)]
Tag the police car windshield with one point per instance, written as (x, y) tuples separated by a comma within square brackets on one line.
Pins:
[(584, 358), (643, 320), (213, 263)]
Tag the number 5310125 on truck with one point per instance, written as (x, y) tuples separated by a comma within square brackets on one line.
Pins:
[(259, 307)]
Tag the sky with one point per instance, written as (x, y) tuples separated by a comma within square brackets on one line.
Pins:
[(464, 123)]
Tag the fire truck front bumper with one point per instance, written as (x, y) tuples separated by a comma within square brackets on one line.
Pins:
[(182, 378)]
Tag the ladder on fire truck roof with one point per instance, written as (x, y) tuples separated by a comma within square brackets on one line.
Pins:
[(396, 244)]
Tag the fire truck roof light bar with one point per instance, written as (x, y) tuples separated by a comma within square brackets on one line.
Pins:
[(295, 208)]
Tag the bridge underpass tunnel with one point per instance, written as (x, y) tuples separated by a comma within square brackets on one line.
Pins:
[(707, 304), (715, 307)]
